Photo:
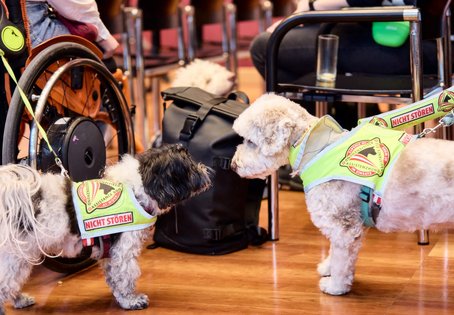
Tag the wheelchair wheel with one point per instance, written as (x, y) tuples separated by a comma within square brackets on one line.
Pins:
[(84, 114)]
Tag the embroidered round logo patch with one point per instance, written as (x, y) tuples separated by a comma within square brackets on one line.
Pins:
[(366, 158), (446, 101), (12, 38), (98, 194)]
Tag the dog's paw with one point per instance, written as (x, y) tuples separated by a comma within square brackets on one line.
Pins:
[(134, 302), (327, 285), (324, 267), (23, 300)]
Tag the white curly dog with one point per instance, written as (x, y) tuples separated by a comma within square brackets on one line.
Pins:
[(417, 195), (207, 75)]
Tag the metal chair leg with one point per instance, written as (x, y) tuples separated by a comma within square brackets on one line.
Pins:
[(423, 237), (154, 114), (231, 17), (132, 41), (191, 37), (267, 15), (227, 10), (273, 207)]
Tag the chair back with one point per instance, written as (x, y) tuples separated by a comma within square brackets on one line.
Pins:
[(200, 16), (109, 9), (208, 11), (159, 15), (433, 17), (283, 7), (436, 25), (247, 10), (110, 13)]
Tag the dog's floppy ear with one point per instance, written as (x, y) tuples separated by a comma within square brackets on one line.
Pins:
[(276, 136), (269, 123)]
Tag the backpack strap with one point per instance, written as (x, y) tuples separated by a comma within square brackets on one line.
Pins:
[(221, 232), (193, 121)]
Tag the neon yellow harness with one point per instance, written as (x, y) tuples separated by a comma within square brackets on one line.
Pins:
[(364, 156), (432, 107), (104, 207)]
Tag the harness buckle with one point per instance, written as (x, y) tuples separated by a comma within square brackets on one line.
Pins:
[(370, 206), (212, 234), (365, 194)]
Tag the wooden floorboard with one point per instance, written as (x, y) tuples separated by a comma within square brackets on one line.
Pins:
[(394, 275)]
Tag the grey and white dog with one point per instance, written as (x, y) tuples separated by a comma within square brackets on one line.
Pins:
[(37, 218)]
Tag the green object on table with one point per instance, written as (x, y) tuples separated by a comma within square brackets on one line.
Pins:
[(391, 34)]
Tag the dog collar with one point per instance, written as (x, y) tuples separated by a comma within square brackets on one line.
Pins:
[(149, 208)]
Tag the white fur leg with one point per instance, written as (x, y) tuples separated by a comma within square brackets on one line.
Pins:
[(330, 286), (23, 300), (136, 301), (342, 268), (324, 267), (13, 274), (338, 217), (122, 271)]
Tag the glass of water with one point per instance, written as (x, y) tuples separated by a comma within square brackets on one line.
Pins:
[(328, 45)]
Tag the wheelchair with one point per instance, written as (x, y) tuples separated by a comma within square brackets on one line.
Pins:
[(79, 103)]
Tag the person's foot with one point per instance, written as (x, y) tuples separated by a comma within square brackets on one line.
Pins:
[(287, 182)]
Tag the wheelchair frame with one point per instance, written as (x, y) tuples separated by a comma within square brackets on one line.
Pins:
[(71, 100)]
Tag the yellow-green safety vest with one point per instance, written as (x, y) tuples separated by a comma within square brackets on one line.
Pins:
[(364, 156), (104, 207)]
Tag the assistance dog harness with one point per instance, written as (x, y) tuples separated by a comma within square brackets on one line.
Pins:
[(364, 156), (105, 208)]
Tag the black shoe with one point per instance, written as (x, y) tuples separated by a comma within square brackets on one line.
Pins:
[(296, 184), (288, 182), (284, 175)]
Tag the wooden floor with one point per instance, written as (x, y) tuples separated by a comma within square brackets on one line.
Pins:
[(394, 276)]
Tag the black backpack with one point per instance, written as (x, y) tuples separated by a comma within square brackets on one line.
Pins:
[(224, 218)]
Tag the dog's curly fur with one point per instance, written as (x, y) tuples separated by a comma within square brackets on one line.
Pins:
[(37, 218), (417, 196), (206, 75)]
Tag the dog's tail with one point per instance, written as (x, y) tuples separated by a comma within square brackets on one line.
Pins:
[(17, 215)]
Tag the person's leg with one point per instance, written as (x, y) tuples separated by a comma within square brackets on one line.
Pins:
[(43, 25), (296, 53), (358, 52)]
